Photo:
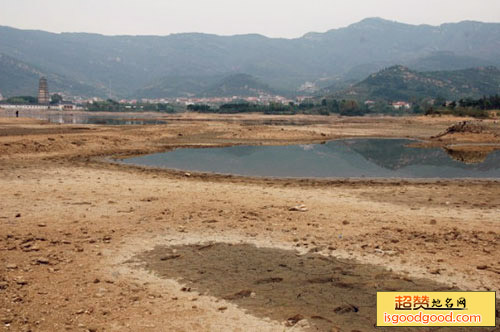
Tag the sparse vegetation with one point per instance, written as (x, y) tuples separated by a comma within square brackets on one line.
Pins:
[(399, 83), (476, 108)]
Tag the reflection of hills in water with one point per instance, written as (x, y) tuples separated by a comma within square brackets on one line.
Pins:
[(468, 157), (241, 151), (393, 154), (380, 158), (98, 119)]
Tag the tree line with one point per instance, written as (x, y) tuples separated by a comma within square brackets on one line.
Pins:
[(477, 108), (323, 107), (30, 100), (111, 105)]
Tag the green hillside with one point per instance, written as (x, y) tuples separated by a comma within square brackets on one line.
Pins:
[(401, 83), (440, 61)]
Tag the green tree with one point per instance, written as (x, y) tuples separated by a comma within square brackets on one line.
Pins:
[(439, 101), (55, 99), (22, 100)]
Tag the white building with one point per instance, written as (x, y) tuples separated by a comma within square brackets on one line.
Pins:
[(24, 107), (401, 105)]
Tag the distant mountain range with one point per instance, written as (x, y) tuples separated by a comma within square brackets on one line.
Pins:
[(191, 63), (401, 83)]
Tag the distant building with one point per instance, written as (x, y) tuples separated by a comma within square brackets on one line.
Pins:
[(401, 105), (66, 106), (43, 92)]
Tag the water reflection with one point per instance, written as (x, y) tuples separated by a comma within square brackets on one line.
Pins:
[(468, 157), (383, 158), (99, 119), (86, 118)]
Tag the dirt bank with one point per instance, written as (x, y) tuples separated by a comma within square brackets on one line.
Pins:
[(71, 226)]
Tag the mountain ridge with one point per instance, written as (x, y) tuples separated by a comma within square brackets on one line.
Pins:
[(120, 66)]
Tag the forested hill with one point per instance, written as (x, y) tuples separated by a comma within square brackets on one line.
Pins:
[(401, 83)]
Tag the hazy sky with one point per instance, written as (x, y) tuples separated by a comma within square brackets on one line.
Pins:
[(274, 18)]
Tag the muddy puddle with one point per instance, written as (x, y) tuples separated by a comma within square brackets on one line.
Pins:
[(282, 284)]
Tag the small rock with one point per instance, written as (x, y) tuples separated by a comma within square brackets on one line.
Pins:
[(343, 309), (345, 222), (294, 320), (21, 281), (299, 208), (42, 225), (18, 215), (482, 267), (168, 257), (239, 295), (3, 285), (222, 308), (210, 221), (6, 320), (187, 174), (11, 266), (42, 260)]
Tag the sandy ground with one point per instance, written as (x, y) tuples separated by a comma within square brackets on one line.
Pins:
[(74, 227)]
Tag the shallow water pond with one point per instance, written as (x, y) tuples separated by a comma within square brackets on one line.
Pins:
[(82, 118), (348, 158)]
